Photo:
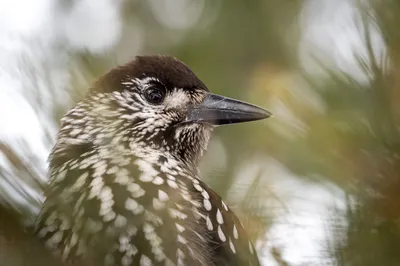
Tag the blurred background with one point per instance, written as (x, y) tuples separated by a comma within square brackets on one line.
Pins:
[(316, 184)]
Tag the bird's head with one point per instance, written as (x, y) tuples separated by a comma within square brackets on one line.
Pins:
[(152, 103)]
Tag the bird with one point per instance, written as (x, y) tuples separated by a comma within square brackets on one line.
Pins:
[(124, 186)]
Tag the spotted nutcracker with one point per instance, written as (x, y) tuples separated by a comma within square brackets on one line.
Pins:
[(124, 184)]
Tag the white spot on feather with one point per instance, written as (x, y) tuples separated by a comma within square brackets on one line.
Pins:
[(157, 204), (145, 261), (120, 221), (235, 232), (205, 194), (209, 223), (220, 220), (131, 204), (162, 195), (179, 227), (224, 205), (182, 240), (177, 214), (198, 187), (232, 246), (172, 183), (221, 234), (207, 204), (158, 180)]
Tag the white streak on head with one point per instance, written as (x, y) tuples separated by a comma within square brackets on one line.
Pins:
[(177, 99), (144, 82)]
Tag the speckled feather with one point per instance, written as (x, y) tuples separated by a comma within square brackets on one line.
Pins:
[(124, 186)]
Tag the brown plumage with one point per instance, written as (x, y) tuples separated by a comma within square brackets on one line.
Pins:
[(124, 186)]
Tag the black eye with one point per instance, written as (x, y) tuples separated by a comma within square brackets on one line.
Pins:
[(154, 94)]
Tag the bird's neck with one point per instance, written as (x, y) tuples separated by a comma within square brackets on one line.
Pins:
[(161, 157), (89, 126), (116, 151)]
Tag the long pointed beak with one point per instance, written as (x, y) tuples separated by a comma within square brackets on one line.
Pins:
[(220, 110)]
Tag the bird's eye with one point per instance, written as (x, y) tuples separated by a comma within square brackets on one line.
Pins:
[(155, 94)]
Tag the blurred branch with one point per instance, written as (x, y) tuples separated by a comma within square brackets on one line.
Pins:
[(21, 177)]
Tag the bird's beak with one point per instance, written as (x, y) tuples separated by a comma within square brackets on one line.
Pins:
[(220, 110)]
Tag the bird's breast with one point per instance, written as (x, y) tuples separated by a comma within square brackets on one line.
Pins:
[(134, 213)]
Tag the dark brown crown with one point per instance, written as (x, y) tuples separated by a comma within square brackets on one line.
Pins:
[(168, 70)]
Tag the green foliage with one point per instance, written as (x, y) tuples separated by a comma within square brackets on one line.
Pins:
[(331, 128)]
